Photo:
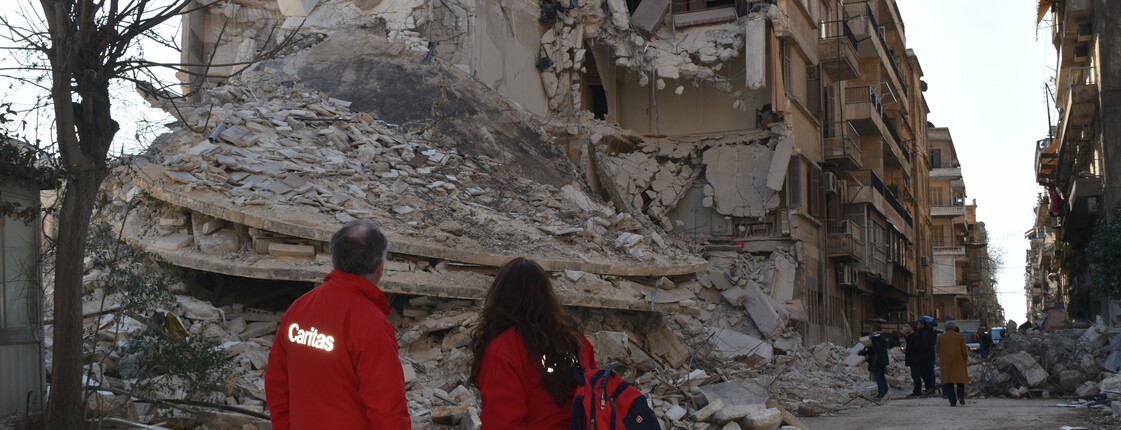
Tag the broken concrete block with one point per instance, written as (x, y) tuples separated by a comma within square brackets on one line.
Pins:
[(762, 311), (1027, 366), (766, 419), (410, 373), (720, 279), (173, 242), (196, 309), (732, 344), (219, 243), (738, 397), (732, 425), (736, 412), (296, 8), (239, 136), (675, 413), (704, 413), (1111, 385), (291, 251), (182, 177), (1070, 379), (854, 360), (1088, 389), (663, 343), (789, 420), (735, 296), (611, 345), (205, 224), (1018, 392), (649, 15)]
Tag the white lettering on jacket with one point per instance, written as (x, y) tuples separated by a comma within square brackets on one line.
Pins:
[(312, 338)]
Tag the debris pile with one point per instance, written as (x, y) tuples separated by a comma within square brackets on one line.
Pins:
[(301, 153), (1060, 362)]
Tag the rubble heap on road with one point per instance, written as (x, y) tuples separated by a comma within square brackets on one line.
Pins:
[(1070, 362)]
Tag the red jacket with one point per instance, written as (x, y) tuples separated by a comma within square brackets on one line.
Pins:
[(334, 364), (510, 384)]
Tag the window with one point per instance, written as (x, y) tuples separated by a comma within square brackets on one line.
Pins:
[(935, 158)]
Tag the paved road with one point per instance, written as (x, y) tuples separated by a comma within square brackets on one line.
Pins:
[(986, 414)]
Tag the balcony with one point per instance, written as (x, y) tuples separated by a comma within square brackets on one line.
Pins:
[(950, 290), (837, 51), (940, 209), (869, 118), (945, 173), (867, 188), (844, 241), (873, 44), (958, 251), (842, 145)]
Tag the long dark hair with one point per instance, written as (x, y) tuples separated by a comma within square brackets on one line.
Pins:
[(522, 297)]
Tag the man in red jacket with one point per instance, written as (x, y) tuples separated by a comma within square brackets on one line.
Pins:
[(334, 363)]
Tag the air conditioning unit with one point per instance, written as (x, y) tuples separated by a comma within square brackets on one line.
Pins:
[(847, 275), (925, 261), (831, 183)]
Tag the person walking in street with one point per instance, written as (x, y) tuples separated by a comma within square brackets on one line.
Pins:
[(924, 354), (524, 350), (986, 342), (877, 357), (913, 354), (334, 363), (953, 356)]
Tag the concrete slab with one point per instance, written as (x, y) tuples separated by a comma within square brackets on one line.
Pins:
[(762, 311), (739, 179), (731, 344), (320, 227)]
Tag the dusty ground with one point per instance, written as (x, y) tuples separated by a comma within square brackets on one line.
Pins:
[(990, 414)]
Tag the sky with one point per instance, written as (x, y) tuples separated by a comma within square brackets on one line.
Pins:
[(986, 70)]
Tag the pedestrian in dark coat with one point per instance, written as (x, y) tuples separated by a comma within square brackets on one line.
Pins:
[(924, 351), (910, 357), (877, 357)]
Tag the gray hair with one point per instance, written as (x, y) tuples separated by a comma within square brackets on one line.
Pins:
[(950, 325), (358, 248)]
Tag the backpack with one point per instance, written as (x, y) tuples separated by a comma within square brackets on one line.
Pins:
[(603, 400)]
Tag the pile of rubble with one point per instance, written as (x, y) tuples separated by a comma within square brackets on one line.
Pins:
[(301, 153), (1069, 362)]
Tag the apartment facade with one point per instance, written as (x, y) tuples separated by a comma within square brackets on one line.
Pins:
[(1074, 163), (788, 136)]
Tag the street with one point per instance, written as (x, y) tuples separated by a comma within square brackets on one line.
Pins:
[(936, 414)]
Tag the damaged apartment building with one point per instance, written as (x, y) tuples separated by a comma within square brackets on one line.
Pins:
[(784, 141), (1073, 164)]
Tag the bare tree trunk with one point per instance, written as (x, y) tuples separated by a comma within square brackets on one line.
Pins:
[(65, 409)]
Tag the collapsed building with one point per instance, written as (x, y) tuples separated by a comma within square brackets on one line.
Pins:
[(787, 135)]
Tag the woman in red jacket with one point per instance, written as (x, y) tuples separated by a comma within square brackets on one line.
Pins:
[(524, 348)]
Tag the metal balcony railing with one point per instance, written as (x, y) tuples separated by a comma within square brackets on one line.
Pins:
[(1083, 76), (836, 30), (843, 227), (870, 178)]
